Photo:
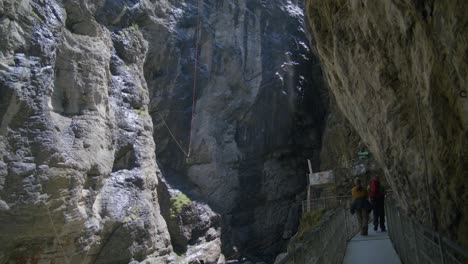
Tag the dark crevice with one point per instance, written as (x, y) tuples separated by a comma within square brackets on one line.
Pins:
[(124, 159), (5, 99), (93, 180)]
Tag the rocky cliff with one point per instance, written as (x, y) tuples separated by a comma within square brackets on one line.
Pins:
[(228, 91), (78, 174), (258, 114), (399, 70)]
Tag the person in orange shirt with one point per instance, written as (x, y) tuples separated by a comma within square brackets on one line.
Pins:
[(360, 205)]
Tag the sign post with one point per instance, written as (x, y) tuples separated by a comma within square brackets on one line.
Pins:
[(308, 184), (318, 179)]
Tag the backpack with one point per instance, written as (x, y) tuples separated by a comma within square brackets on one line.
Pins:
[(375, 190)]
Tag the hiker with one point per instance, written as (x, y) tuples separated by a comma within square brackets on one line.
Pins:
[(377, 199), (360, 205)]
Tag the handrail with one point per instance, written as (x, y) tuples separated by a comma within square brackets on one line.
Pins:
[(418, 244), (326, 243), (327, 202), (414, 243)]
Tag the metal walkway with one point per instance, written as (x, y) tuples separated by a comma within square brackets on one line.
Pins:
[(335, 241), (374, 248)]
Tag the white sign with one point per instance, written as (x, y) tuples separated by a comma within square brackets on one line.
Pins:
[(319, 178)]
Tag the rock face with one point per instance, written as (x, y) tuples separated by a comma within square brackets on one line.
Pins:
[(340, 142), (258, 114), (78, 174), (82, 83), (399, 70)]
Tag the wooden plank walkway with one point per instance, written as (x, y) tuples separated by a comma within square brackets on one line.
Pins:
[(376, 248)]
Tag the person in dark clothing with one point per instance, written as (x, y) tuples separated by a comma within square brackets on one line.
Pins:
[(360, 205), (377, 199)]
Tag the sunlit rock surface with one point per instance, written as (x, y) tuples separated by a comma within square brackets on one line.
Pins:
[(399, 70), (78, 174), (259, 114), (88, 87)]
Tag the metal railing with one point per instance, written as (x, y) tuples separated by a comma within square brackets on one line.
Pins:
[(328, 202), (327, 242), (416, 244)]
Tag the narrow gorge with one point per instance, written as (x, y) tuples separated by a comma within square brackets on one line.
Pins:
[(164, 131)]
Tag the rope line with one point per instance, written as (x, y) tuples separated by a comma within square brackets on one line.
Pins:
[(56, 235), (194, 88), (195, 67), (173, 137)]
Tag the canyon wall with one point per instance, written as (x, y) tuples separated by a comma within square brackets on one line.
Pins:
[(399, 70), (78, 174), (131, 130), (259, 113)]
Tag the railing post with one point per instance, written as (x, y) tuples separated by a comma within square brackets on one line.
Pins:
[(295, 253), (406, 240), (346, 223), (399, 233), (403, 239), (427, 243), (406, 245), (441, 248), (413, 225), (303, 255)]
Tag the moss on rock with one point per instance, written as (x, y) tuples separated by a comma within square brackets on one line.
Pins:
[(177, 202)]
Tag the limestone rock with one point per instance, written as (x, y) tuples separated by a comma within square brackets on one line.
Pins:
[(340, 142), (206, 253), (281, 258), (398, 70), (258, 114), (88, 87), (78, 174), (195, 224)]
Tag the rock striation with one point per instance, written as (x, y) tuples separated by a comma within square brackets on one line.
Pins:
[(398, 70), (258, 114), (78, 174), (88, 87)]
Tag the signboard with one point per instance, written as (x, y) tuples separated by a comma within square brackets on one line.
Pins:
[(358, 169), (320, 178)]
